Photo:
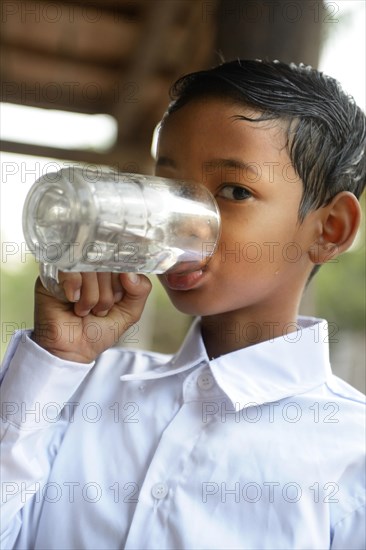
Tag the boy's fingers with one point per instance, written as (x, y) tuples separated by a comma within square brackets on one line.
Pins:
[(119, 295), (129, 309), (71, 283), (106, 298), (89, 294), (117, 287)]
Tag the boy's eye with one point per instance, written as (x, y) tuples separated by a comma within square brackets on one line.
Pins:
[(234, 192)]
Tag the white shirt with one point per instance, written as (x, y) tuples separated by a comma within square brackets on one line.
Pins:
[(262, 448)]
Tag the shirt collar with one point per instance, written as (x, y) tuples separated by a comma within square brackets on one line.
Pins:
[(191, 354), (277, 368), (261, 373)]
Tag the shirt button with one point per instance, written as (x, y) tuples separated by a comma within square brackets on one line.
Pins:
[(159, 490), (205, 381)]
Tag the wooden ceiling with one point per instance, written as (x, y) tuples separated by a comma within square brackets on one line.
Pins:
[(120, 57)]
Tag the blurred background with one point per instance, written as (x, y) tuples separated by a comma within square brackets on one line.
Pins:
[(86, 83)]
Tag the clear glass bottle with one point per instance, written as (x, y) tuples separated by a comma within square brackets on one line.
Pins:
[(79, 219)]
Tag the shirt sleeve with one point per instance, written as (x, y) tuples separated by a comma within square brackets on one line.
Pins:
[(350, 532), (36, 392)]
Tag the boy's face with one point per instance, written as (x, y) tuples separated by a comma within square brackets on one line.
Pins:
[(261, 262)]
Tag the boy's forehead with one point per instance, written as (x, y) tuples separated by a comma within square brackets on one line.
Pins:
[(209, 139), (222, 119)]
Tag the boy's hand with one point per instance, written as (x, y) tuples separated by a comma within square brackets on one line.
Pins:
[(102, 307)]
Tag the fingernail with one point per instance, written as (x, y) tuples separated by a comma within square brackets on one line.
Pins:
[(118, 296), (77, 295), (133, 278)]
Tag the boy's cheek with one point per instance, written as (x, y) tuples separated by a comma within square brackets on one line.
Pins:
[(252, 252)]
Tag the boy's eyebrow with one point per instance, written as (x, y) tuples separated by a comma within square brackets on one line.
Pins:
[(236, 164), (214, 164)]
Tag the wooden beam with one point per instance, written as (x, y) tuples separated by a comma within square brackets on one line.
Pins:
[(34, 79), (134, 159), (144, 61), (70, 32), (154, 49)]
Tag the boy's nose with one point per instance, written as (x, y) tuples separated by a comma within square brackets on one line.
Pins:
[(196, 228)]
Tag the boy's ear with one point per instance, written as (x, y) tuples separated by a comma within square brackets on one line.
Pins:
[(339, 221)]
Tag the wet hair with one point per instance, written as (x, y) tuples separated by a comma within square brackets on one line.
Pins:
[(326, 130)]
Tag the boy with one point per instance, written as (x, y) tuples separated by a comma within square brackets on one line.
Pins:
[(244, 438)]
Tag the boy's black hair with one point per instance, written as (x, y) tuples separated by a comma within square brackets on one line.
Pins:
[(326, 136)]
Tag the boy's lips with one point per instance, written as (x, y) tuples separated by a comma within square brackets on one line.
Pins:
[(185, 280)]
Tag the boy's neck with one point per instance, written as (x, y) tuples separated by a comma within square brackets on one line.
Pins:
[(232, 331)]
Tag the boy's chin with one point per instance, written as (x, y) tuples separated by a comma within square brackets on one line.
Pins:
[(187, 302)]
